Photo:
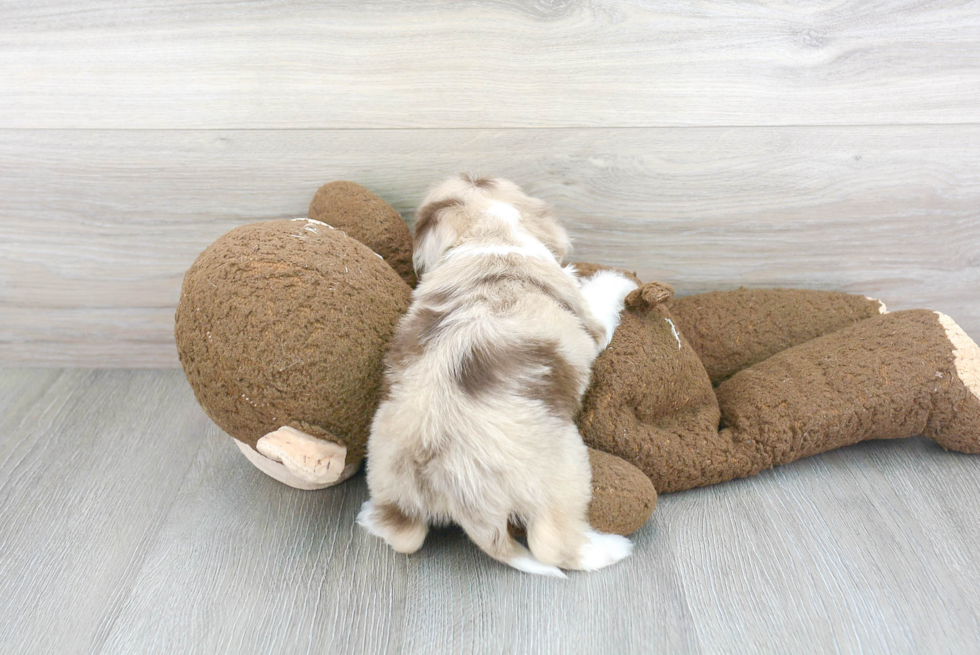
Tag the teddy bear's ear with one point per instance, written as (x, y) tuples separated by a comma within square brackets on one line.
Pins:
[(649, 294), (369, 219)]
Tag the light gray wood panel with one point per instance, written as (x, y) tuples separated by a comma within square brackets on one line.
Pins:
[(177, 64), (97, 227), (860, 550), (90, 463)]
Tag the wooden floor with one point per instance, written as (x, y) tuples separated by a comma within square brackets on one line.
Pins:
[(130, 524)]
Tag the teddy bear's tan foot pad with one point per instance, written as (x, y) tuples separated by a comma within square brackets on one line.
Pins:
[(966, 354), (299, 460)]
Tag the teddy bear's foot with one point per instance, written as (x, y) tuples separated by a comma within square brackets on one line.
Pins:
[(955, 424), (300, 460)]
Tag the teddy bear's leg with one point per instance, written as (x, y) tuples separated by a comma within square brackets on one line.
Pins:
[(959, 429), (898, 375), (732, 330)]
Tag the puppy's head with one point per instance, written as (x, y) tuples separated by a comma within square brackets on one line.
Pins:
[(466, 205)]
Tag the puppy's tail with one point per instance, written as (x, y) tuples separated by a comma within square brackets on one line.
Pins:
[(496, 542)]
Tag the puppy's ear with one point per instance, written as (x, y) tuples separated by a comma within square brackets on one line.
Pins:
[(436, 230), (561, 244), (548, 230)]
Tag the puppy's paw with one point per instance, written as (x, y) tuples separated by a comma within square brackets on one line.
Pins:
[(605, 292), (602, 550), (403, 533), (527, 564), (608, 284)]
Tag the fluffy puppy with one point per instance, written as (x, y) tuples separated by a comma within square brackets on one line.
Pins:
[(483, 380)]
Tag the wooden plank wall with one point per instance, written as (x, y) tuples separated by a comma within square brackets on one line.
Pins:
[(708, 144)]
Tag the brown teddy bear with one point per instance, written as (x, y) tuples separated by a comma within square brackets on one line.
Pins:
[(282, 327)]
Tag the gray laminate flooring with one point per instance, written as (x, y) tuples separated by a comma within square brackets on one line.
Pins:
[(130, 524)]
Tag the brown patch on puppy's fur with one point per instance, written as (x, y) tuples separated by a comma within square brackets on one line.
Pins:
[(415, 330), (481, 367), (425, 218), (559, 387), (391, 516), (482, 182)]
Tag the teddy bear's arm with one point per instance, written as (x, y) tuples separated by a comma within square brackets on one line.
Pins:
[(623, 498), (732, 330), (891, 376)]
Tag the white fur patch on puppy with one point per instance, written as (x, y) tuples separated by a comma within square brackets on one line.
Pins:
[(882, 309), (505, 212), (528, 564), (365, 519), (605, 292), (603, 549)]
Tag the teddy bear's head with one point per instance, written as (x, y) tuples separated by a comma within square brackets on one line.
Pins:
[(285, 323)]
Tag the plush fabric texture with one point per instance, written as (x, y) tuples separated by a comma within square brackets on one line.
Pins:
[(622, 497), (286, 323), (888, 377), (650, 401), (733, 330), (885, 377), (369, 219)]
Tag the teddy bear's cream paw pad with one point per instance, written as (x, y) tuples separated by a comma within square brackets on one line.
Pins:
[(299, 460), (966, 354), (602, 550)]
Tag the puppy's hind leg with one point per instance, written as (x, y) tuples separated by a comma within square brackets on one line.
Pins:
[(403, 533), (601, 550), (558, 530), (495, 541), (570, 543)]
